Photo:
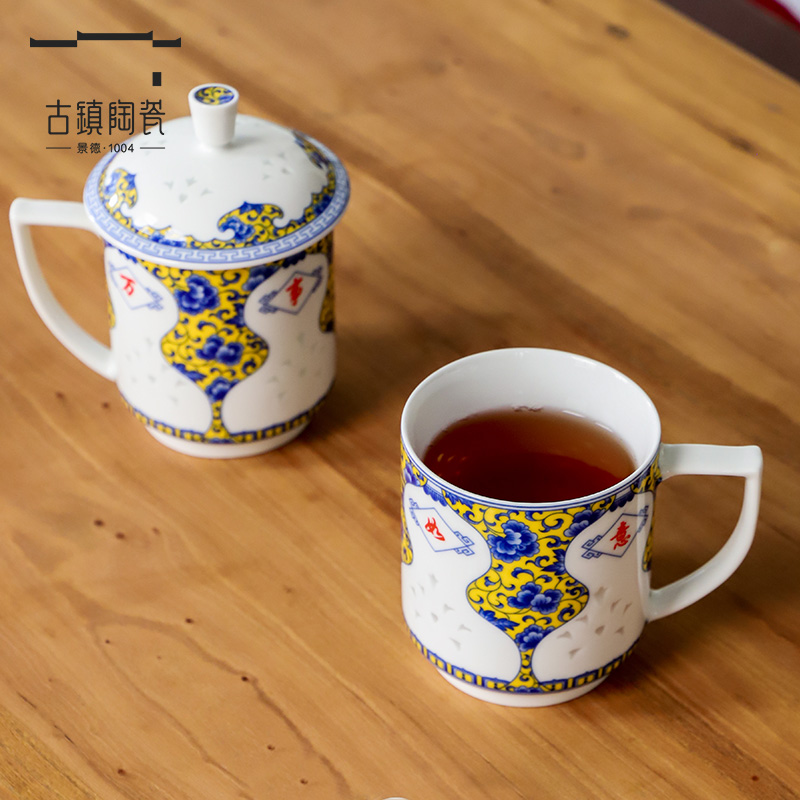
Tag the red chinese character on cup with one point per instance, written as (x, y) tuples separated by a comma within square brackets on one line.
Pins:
[(295, 289), (129, 285), (433, 529), (621, 537)]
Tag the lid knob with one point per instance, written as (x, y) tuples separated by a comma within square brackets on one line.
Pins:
[(213, 109)]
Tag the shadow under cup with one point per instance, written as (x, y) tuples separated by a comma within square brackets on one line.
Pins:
[(527, 604)]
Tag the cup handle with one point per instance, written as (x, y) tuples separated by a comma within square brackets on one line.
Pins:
[(59, 213), (708, 459)]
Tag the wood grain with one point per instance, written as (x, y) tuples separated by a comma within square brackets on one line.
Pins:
[(603, 177)]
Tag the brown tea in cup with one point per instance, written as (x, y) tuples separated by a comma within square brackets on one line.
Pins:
[(529, 455)]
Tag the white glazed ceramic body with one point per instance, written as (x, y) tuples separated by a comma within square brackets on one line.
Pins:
[(223, 363), (218, 257), (530, 604)]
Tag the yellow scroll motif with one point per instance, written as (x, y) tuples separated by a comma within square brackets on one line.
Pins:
[(214, 95), (112, 317), (212, 346), (250, 223), (493, 594), (326, 312), (210, 343), (499, 594)]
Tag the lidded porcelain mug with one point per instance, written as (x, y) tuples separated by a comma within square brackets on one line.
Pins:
[(218, 257)]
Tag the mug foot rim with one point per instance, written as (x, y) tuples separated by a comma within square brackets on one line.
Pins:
[(231, 450), (521, 700)]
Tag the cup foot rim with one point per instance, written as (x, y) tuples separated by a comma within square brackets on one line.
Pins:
[(521, 700), (225, 450)]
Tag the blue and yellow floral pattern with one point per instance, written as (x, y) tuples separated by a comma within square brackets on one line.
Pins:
[(526, 592), (255, 231), (211, 344), (250, 223), (214, 95)]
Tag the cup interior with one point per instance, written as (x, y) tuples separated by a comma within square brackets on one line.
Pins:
[(536, 378)]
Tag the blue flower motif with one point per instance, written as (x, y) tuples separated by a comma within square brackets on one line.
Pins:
[(621, 499), (558, 567), (290, 261), (257, 276), (215, 349), (518, 541), (242, 232), (525, 596), (160, 238), (321, 204), (434, 492), (547, 602), (531, 636), (583, 519), (234, 316), (531, 595), (230, 354), (124, 255), (209, 349), (200, 296), (126, 181), (409, 476), (501, 622), (219, 388)]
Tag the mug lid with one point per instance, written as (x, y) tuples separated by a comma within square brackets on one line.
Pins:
[(217, 189)]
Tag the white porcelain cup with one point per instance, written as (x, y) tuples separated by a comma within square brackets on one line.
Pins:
[(218, 254), (532, 604)]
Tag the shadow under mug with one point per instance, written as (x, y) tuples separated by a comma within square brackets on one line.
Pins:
[(532, 604)]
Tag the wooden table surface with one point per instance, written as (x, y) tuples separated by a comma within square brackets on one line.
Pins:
[(600, 176)]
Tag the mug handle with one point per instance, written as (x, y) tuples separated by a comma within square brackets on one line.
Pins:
[(709, 459), (64, 214)]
